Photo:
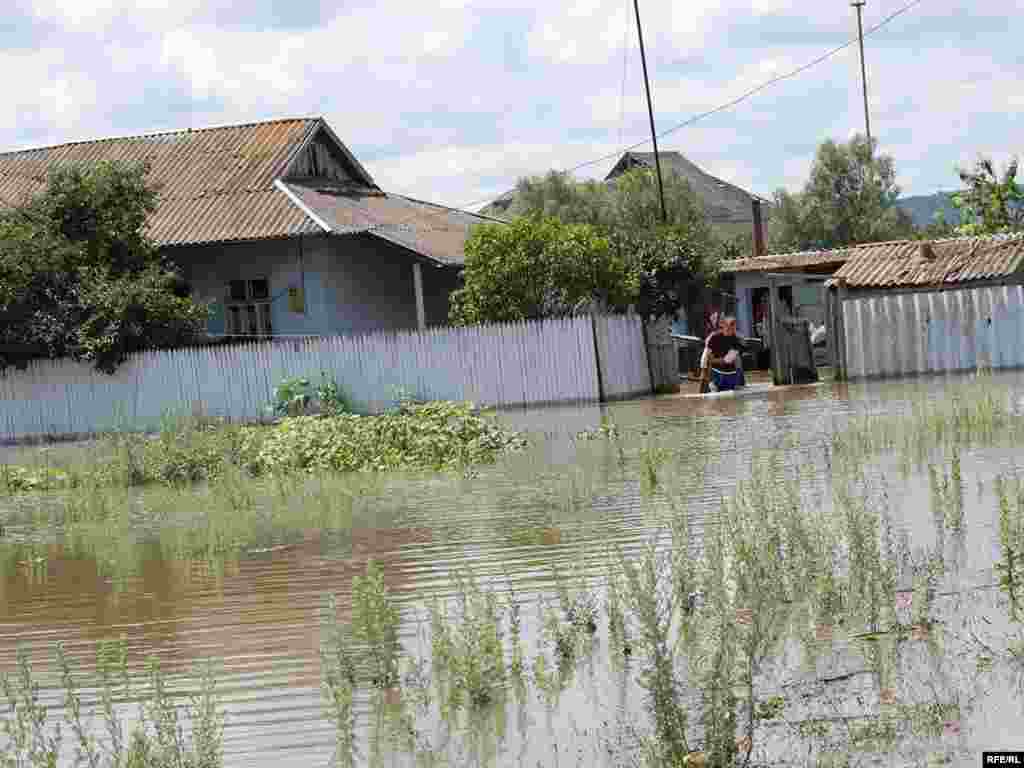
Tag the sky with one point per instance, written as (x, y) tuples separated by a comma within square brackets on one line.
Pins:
[(453, 100)]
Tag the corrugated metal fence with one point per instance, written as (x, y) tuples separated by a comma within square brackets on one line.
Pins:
[(953, 330), (499, 365)]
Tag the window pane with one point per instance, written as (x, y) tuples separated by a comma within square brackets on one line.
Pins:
[(234, 320), (259, 289), (265, 319), (236, 290), (253, 322)]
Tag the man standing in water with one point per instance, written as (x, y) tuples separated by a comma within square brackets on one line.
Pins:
[(721, 365)]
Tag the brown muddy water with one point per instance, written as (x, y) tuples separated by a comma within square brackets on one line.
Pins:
[(255, 608)]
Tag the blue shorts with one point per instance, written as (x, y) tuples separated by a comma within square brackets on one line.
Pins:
[(723, 381)]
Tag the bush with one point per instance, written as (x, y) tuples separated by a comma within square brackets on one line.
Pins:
[(294, 397), (434, 436)]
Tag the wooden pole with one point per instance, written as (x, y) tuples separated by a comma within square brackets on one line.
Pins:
[(776, 325), (650, 113), (601, 397)]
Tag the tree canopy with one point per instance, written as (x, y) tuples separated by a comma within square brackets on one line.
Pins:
[(991, 203), (588, 244), (538, 267), (80, 279), (850, 197)]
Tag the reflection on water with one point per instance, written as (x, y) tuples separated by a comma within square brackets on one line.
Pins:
[(249, 591)]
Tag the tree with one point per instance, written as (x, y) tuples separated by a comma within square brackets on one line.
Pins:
[(991, 203), (538, 267), (79, 278), (660, 259), (849, 198)]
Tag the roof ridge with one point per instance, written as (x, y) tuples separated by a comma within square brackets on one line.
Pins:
[(152, 134)]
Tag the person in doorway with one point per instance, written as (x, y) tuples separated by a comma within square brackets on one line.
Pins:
[(721, 364)]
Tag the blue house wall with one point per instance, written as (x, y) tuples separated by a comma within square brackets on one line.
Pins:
[(351, 284)]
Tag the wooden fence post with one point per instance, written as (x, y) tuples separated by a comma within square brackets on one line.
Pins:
[(776, 325), (597, 359)]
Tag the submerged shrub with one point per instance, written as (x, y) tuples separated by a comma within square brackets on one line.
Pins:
[(433, 436), (436, 436)]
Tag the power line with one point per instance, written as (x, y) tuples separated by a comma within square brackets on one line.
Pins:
[(729, 104)]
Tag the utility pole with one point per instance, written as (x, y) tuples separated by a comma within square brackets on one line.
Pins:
[(859, 5), (650, 113)]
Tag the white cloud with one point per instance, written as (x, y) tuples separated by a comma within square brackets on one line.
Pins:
[(451, 101)]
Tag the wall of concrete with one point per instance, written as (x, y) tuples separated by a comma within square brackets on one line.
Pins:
[(356, 284), (295, 262)]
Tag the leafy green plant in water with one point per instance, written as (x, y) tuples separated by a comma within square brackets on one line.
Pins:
[(652, 607), (652, 457), (947, 493), (469, 652), (296, 397), (338, 680), (158, 741), (432, 436), (375, 621), (1010, 495), (29, 744)]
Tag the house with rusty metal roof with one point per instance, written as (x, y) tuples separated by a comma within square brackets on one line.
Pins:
[(912, 307), (280, 227)]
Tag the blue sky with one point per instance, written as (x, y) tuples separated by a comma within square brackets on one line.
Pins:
[(453, 100)]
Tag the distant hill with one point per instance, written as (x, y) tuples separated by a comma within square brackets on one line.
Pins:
[(923, 208)]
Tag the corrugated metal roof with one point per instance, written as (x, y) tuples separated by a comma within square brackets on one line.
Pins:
[(216, 184), (950, 261), (434, 231), (777, 262)]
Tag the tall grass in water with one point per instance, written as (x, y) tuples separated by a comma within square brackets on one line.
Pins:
[(978, 414), (1010, 568), (34, 739), (715, 614)]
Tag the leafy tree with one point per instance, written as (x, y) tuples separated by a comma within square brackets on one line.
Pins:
[(79, 278), (849, 198), (654, 260), (991, 203), (538, 267)]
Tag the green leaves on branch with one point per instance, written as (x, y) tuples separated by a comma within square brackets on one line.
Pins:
[(576, 247), (80, 279), (991, 203), (849, 198)]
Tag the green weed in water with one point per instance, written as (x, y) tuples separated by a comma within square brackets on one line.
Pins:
[(34, 740), (375, 621), (1010, 568)]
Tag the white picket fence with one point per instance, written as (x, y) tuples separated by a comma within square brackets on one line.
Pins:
[(500, 365)]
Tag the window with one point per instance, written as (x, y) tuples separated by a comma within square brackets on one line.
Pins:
[(247, 307)]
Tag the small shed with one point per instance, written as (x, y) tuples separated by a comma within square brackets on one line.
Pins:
[(913, 307)]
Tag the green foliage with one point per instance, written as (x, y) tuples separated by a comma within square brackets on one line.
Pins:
[(375, 620), (849, 198), (576, 245), (438, 436), (295, 397), (433, 436), (338, 681), (468, 647), (992, 203), (79, 279), (158, 740), (536, 268), (1010, 567)]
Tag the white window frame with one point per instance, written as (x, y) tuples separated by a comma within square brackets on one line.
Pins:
[(239, 316)]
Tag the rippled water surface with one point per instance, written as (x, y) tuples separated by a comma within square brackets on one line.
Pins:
[(255, 607)]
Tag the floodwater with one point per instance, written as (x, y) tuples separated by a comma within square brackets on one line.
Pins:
[(258, 612)]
